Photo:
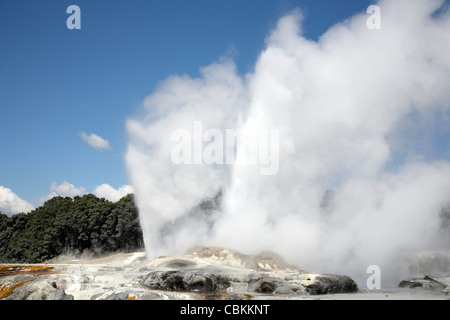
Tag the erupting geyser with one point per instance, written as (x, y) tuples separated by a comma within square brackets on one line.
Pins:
[(359, 111)]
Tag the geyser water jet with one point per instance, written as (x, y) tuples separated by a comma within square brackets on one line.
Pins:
[(260, 144), (339, 106)]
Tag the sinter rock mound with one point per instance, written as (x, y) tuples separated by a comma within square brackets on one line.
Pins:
[(211, 269)]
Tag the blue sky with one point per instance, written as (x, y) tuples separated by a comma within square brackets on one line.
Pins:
[(57, 83)]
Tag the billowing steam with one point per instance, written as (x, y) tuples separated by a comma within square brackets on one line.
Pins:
[(349, 112)]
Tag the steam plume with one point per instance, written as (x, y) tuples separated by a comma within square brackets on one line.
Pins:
[(341, 106)]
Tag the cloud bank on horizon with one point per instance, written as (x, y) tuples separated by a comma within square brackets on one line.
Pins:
[(10, 203), (352, 109)]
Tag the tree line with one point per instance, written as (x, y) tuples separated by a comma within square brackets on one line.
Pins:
[(70, 225)]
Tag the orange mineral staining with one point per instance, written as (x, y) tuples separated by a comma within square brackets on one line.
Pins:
[(6, 290)]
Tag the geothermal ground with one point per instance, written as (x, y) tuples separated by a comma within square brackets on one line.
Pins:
[(202, 273)]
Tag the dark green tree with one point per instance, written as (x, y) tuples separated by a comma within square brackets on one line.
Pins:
[(63, 225)]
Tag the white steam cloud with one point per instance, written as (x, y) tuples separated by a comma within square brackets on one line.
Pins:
[(340, 105)]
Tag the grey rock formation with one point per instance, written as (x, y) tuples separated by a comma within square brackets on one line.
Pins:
[(175, 280), (210, 269), (331, 283), (118, 296), (274, 285), (30, 288), (438, 284), (199, 280)]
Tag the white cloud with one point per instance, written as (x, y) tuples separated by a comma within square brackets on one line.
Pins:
[(109, 193), (10, 203), (95, 141), (64, 189), (67, 189)]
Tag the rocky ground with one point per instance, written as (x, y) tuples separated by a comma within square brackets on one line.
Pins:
[(202, 273)]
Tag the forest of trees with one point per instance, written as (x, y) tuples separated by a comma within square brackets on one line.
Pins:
[(64, 225)]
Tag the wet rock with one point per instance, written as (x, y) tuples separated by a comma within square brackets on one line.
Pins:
[(306, 284), (426, 282), (329, 283), (174, 280), (267, 285), (118, 296), (203, 282), (275, 286)]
